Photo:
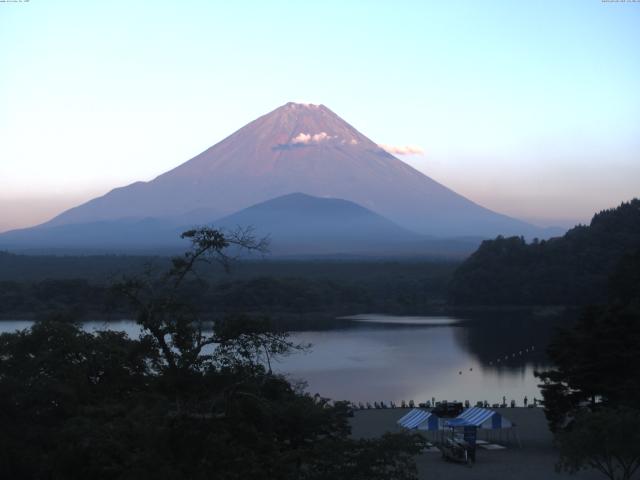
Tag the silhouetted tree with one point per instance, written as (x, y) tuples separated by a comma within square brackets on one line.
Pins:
[(568, 270), (607, 440), (596, 361), (180, 402), (592, 394)]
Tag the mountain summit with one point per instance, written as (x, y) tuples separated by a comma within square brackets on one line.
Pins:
[(297, 148)]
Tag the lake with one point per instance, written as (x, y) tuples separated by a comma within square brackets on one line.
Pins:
[(393, 358)]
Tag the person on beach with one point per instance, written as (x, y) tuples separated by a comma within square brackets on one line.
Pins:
[(526, 401)]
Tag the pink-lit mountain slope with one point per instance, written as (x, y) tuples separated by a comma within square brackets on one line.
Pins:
[(298, 148)]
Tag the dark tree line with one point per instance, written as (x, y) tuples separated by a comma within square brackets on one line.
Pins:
[(267, 294), (177, 403), (592, 395), (569, 270)]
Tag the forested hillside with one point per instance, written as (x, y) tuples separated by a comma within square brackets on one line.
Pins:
[(31, 287), (568, 270)]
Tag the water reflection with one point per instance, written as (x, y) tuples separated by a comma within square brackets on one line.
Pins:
[(402, 319), (415, 358), (508, 341), (391, 363)]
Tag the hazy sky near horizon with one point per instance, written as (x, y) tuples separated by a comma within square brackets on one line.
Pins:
[(529, 108)]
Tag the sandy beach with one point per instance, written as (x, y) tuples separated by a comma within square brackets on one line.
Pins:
[(534, 460)]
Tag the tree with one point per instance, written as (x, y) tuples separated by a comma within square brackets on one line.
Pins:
[(596, 361), (568, 270), (60, 383), (180, 402), (591, 397), (607, 440), (244, 340), (169, 320)]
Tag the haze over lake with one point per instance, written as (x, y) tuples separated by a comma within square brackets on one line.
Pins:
[(393, 358)]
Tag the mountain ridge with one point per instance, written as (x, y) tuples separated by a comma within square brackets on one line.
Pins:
[(300, 148), (298, 225)]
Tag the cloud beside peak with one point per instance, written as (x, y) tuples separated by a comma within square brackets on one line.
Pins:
[(306, 138), (402, 149)]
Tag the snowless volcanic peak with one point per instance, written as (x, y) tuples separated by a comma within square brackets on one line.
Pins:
[(293, 131), (299, 124), (297, 148)]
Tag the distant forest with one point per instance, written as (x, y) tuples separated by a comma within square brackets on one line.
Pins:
[(33, 286), (568, 270)]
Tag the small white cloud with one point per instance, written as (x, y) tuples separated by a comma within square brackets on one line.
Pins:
[(402, 149), (319, 137), (301, 138), (306, 138)]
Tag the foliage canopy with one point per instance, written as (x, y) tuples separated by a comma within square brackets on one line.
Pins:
[(180, 402), (568, 270)]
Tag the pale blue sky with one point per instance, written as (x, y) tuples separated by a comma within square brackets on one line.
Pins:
[(531, 108)]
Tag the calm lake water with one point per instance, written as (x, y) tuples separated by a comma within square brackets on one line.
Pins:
[(390, 358)]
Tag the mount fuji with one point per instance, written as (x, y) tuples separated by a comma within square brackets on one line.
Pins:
[(297, 148)]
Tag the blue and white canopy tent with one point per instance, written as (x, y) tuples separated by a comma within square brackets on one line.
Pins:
[(484, 419), (481, 418), (423, 421), (418, 419)]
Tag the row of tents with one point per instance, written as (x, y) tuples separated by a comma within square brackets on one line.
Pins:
[(418, 419), (480, 418)]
